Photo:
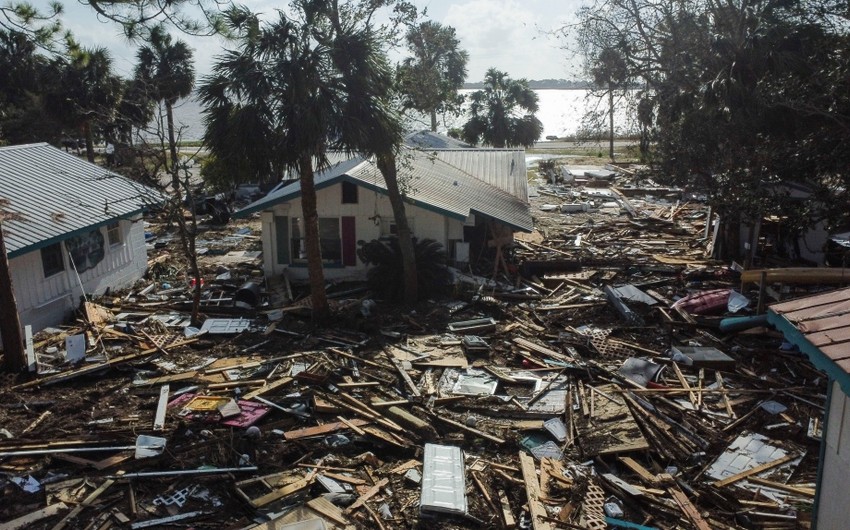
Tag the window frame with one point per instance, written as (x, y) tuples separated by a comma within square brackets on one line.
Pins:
[(349, 193), (52, 252), (114, 228), (298, 251)]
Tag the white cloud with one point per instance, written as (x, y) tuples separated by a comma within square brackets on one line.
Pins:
[(511, 36)]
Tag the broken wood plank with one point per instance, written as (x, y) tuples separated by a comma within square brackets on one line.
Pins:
[(26, 521), (507, 514), (322, 429), (466, 428), (799, 490), (685, 504), (368, 495), (642, 472), (753, 471), (268, 388), (86, 502), (532, 491)]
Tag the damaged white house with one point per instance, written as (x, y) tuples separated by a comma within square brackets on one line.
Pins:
[(70, 228), (465, 199)]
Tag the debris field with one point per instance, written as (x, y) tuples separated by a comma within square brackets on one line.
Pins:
[(584, 383)]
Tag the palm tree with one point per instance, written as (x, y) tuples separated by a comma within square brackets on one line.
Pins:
[(502, 113), (167, 70), (297, 89), (87, 93)]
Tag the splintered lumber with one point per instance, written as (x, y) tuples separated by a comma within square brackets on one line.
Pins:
[(798, 275), (355, 405), (641, 471), (93, 368), (532, 490), (25, 521), (86, 502), (268, 388), (799, 490), (463, 427), (483, 489), (323, 429), (368, 495), (507, 514), (531, 346), (276, 493), (404, 375), (684, 503), (753, 471)]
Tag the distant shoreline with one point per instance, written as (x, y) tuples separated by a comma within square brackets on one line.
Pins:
[(543, 84)]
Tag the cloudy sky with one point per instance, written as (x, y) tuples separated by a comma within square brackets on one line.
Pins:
[(512, 35)]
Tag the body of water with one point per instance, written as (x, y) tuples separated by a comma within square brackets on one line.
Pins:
[(562, 112)]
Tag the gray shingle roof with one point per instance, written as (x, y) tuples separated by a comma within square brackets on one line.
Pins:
[(432, 140), (432, 183), (47, 195)]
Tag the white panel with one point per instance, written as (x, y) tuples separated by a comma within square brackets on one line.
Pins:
[(835, 468), (443, 480)]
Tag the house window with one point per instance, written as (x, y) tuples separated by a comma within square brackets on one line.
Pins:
[(349, 193), (113, 234), (329, 241), (51, 260)]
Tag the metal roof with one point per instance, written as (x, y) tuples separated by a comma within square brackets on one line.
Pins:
[(431, 183), (820, 326), (503, 168), (47, 195), (433, 140)]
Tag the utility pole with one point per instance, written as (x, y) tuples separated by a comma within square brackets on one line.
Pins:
[(10, 322)]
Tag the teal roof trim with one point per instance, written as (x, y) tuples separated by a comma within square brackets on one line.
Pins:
[(78, 232), (815, 355)]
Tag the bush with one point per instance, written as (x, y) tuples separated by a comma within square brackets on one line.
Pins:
[(386, 276)]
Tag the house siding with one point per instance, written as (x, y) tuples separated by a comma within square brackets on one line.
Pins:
[(371, 209), (831, 506), (44, 302)]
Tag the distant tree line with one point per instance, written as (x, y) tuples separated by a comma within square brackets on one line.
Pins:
[(543, 84)]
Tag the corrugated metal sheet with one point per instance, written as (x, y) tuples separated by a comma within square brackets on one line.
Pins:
[(432, 140), (502, 168), (431, 183), (823, 320), (47, 195)]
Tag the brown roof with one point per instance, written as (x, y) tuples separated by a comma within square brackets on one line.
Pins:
[(824, 320)]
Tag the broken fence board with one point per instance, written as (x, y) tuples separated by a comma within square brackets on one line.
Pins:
[(25, 521)]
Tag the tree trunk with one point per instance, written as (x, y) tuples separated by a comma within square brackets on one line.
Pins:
[(433, 120), (311, 239), (611, 122), (10, 322), (387, 167), (89, 141), (172, 145), (187, 241)]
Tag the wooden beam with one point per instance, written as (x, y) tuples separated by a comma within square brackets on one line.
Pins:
[(686, 505), (368, 495), (753, 471), (507, 514), (532, 490), (26, 521), (322, 429)]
